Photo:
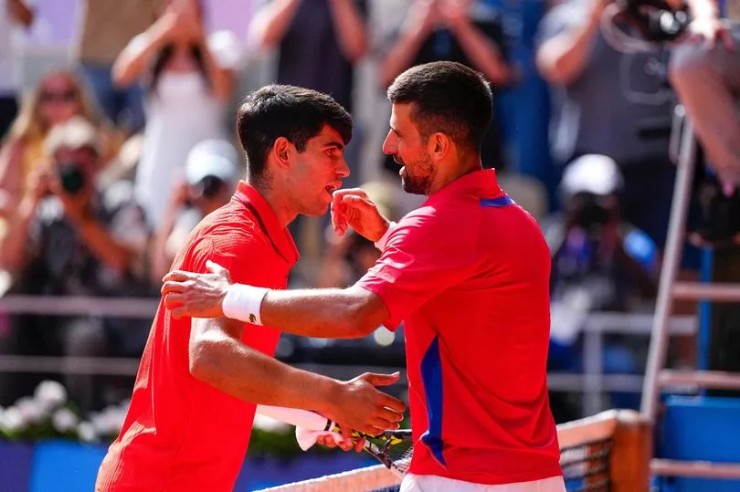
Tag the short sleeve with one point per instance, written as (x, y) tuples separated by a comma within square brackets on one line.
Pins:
[(565, 16), (424, 256), (241, 250)]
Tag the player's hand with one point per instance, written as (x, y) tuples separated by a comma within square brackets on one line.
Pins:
[(196, 295), (345, 445), (353, 208), (358, 404)]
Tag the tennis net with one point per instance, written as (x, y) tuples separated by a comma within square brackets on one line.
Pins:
[(608, 452)]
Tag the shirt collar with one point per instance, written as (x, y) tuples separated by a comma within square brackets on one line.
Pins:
[(482, 184), (280, 237)]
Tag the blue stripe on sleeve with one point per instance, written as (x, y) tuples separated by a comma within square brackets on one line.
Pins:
[(431, 374)]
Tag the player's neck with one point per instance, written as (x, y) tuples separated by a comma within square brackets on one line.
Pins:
[(455, 170), (279, 202)]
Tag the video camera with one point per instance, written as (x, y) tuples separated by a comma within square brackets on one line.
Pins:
[(656, 20), (643, 25)]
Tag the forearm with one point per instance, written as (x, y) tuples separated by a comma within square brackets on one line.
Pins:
[(249, 375), (350, 28), (21, 12), (270, 24), (133, 60), (322, 313), (103, 245), (402, 54), (15, 243), (563, 58), (219, 78), (483, 53)]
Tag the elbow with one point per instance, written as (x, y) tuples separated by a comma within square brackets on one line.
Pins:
[(202, 361), (361, 320)]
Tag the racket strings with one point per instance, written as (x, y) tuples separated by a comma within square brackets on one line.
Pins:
[(393, 449)]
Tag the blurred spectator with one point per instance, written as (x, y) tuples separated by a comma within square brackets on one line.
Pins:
[(66, 238), (611, 103), (211, 174), (107, 27), (600, 263), (319, 43), (705, 71), (188, 84), (58, 97), (12, 12), (464, 31)]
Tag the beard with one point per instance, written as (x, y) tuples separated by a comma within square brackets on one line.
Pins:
[(421, 181)]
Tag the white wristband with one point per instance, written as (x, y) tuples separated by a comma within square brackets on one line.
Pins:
[(380, 243), (243, 302)]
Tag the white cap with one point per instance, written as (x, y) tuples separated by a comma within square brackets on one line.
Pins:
[(591, 173), (212, 158), (74, 134)]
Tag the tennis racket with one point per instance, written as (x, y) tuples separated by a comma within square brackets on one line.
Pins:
[(392, 448)]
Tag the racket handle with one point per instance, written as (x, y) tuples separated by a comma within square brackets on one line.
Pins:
[(305, 419)]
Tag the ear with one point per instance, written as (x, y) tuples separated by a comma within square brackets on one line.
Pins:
[(439, 145), (281, 150)]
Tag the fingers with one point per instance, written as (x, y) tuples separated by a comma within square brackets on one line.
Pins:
[(178, 276), (214, 267), (171, 286), (377, 379), (173, 300), (346, 444), (390, 418), (393, 404)]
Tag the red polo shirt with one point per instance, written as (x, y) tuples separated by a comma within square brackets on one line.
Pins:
[(181, 434), (468, 273)]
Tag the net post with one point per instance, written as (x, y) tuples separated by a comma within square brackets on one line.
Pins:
[(629, 462)]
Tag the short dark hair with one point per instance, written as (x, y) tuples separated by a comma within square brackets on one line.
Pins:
[(447, 97), (296, 113)]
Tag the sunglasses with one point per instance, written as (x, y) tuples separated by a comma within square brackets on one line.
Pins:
[(59, 96)]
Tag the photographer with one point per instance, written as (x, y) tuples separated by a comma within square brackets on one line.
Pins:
[(211, 174), (600, 262), (68, 238), (612, 103)]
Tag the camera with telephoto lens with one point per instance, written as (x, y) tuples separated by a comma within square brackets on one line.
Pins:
[(589, 211), (210, 186), (71, 177), (655, 19)]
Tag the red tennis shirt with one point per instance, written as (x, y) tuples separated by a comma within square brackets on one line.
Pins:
[(181, 434), (468, 273)]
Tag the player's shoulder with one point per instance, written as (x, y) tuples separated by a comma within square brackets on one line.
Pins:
[(226, 231)]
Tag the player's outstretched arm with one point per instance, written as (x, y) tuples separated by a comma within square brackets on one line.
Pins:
[(324, 313), (218, 358)]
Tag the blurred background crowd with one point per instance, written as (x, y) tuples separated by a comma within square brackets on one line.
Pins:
[(116, 119)]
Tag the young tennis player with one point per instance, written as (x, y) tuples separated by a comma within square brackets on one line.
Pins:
[(193, 403)]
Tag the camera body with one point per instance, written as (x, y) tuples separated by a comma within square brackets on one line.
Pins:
[(656, 20), (71, 177)]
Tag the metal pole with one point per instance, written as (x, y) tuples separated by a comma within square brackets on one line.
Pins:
[(669, 270)]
